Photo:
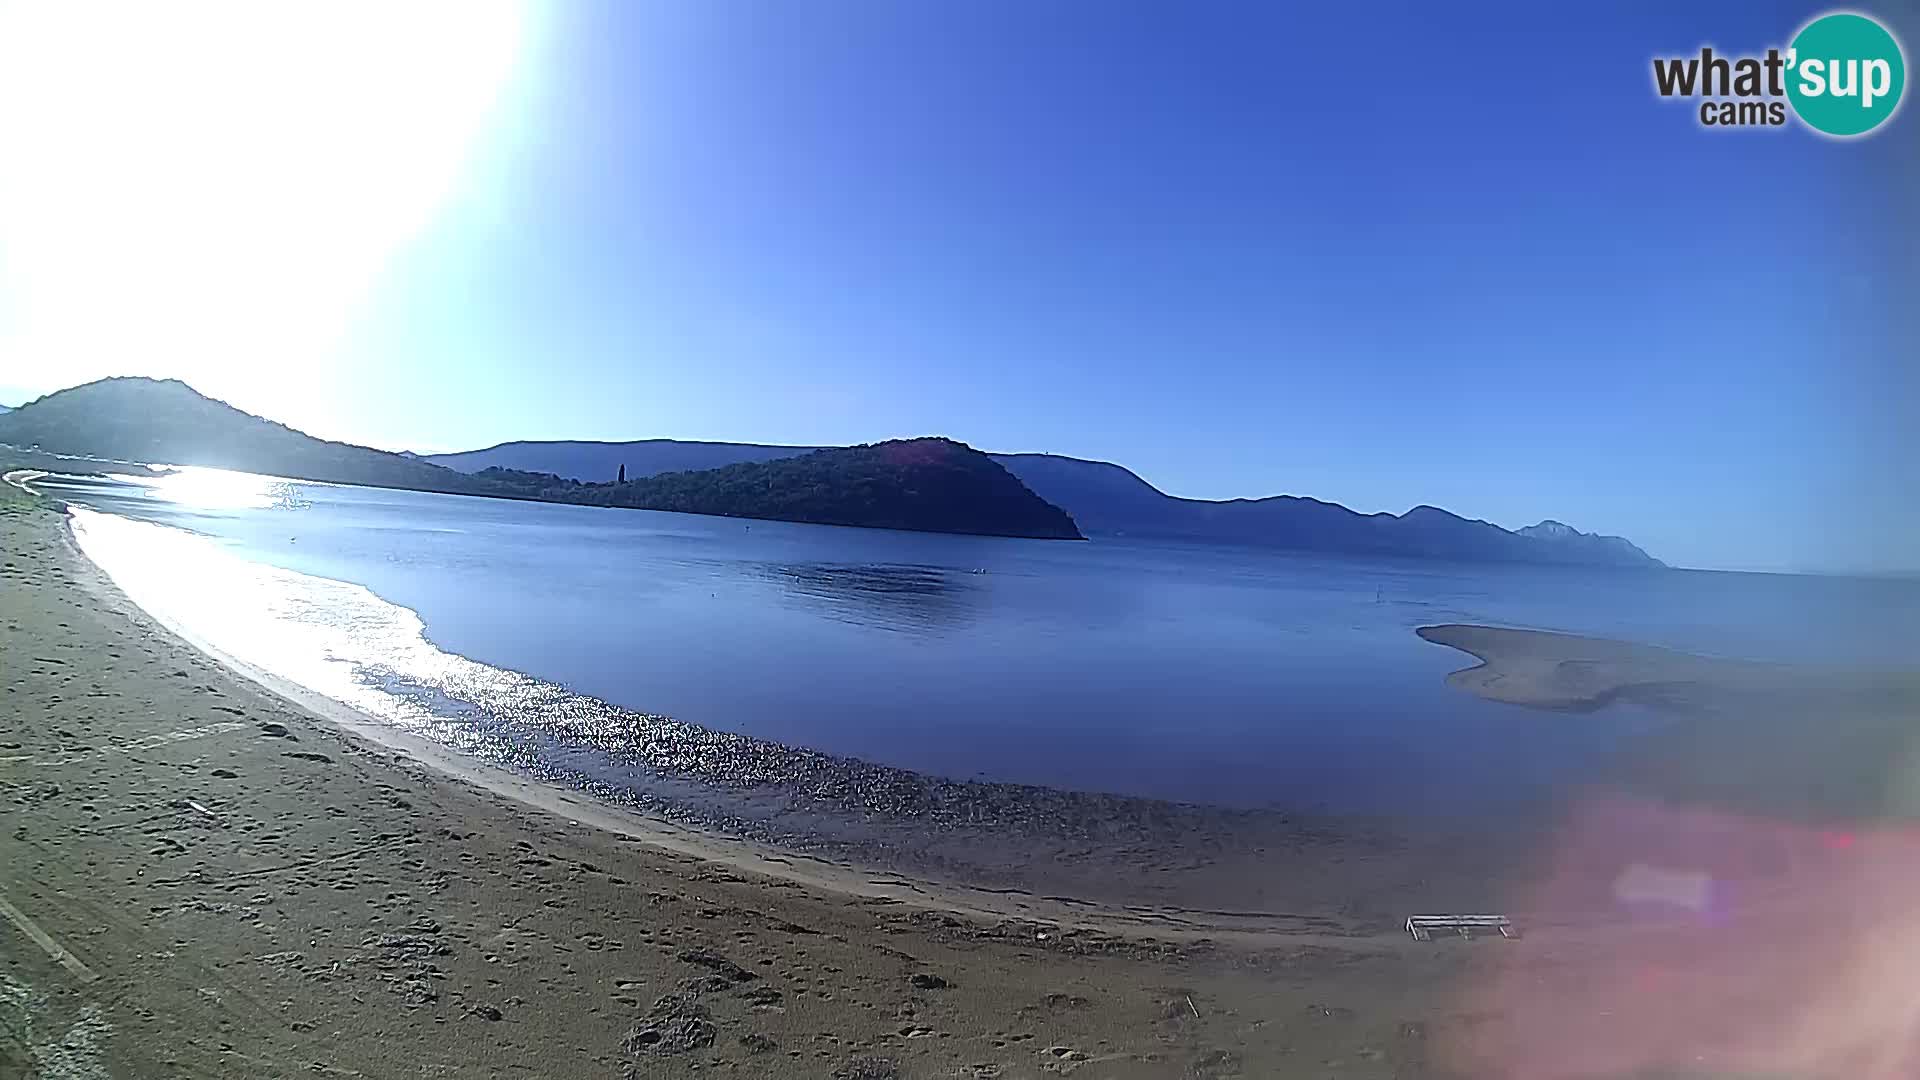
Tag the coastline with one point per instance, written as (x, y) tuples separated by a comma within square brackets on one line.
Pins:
[(1143, 860), (829, 875), (1572, 673), (205, 878), (50, 462), (1000, 848), (234, 868)]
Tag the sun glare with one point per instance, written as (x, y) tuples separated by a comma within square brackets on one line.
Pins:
[(207, 189), (219, 489)]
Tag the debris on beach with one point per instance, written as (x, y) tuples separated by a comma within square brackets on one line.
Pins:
[(675, 1024), (1421, 927), (718, 964)]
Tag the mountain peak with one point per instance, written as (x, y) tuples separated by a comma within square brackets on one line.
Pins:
[(134, 418), (929, 484), (932, 484), (1108, 499)]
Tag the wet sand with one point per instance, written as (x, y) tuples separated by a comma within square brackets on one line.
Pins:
[(204, 879), (1808, 745), (1569, 672), (201, 876)]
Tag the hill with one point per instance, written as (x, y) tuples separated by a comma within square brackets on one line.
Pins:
[(933, 485), (152, 420), (1591, 546), (1107, 499), (598, 462), (928, 485)]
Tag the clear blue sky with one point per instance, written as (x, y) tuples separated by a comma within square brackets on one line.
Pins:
[(1380, 254)]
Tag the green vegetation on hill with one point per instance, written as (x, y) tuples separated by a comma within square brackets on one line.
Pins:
[(932, 485)]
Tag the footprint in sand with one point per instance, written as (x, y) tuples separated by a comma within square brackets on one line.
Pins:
[(1062, 1059), (757, 1043), (760, 996), (1215, 1062)]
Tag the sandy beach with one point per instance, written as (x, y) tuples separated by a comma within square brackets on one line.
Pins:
[(203, 879), (904, 541), (202, 875)]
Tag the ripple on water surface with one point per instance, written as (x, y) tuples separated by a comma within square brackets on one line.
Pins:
[(342, 641)]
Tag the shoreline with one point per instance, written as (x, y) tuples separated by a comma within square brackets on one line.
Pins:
[(1123, 864), (257, 890), (1544, 669), (252, 889), (111, 467), (1086, 823), (785, 864), (998, 850)]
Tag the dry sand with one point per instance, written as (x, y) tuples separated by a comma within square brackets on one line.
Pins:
[(1570, 672), (202, 879)]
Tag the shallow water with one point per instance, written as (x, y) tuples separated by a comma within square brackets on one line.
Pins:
[(545, 634)]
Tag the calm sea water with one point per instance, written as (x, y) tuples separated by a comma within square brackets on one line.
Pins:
[(1226, 676)]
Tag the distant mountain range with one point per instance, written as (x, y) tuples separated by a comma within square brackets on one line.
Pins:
[(1108, 500), (933, 485)]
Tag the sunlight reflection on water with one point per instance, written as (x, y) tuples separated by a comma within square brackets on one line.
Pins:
[(312, 631), (346, 643), (221, 489)]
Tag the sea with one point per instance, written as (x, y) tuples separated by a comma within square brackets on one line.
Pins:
[(732, 670)]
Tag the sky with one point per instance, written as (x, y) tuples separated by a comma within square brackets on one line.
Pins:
[(1384, 255)]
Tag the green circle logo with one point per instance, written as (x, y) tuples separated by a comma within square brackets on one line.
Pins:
[(1846, 74)]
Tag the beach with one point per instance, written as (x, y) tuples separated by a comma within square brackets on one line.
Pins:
[(204, 879), (209, 872)]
